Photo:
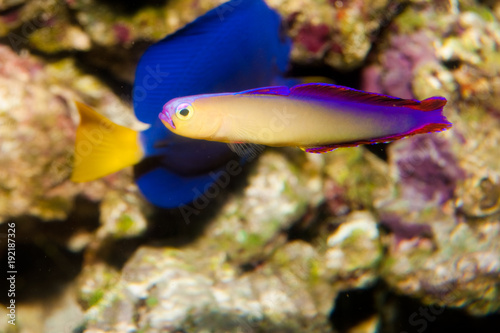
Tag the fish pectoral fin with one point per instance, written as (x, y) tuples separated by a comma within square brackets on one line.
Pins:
[(102, 147), (248, 151)]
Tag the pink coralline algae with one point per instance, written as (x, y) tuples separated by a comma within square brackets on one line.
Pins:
[(427, 169), (394, 75), (10, 17), (313, 37), (402, 229), (122, 33)]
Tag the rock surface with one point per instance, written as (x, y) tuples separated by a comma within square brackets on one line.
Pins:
[(278, 245)]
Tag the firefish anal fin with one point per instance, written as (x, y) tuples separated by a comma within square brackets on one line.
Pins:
[(427, 128), (328, 148), (102, 147)]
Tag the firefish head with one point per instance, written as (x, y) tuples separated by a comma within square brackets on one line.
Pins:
[(190, 117)]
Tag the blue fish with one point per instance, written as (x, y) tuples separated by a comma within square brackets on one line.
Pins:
[(238, 45)]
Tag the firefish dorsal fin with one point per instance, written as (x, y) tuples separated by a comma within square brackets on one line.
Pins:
[(333, 92), (346, 94), (102, 147), (281, 91)]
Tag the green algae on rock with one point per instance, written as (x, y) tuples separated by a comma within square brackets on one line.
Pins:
[(283, 293), (278, 193), (228, 281)]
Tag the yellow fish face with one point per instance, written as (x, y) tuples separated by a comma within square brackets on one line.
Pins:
[(183, 117)]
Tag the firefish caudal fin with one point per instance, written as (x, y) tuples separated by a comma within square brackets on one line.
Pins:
[(102, 147)]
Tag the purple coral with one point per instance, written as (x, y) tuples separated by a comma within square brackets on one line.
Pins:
[(404, 230), (394, 74), (426, 168)]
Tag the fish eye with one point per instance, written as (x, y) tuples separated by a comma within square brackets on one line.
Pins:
[(184, 111)]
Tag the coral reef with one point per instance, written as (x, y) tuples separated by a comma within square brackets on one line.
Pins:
[(31, 182), (441, 209), (36, 161), (338, 33), (203, 288), (292, 232)]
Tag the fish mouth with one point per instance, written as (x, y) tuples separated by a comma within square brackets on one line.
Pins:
[(165, 118)]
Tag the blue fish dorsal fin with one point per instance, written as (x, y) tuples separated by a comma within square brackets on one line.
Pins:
[(282, 91), (345, 94), (233, 47)]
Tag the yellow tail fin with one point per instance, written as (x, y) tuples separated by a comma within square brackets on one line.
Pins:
[(102, 147)]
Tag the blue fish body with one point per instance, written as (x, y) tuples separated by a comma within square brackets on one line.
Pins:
[(236, 46)]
